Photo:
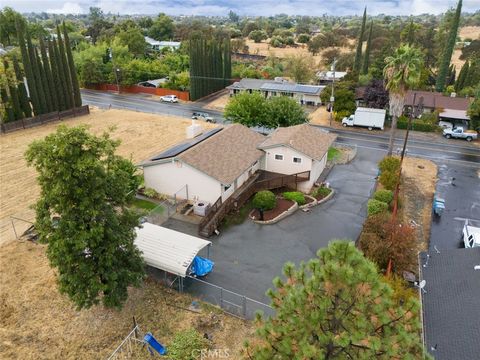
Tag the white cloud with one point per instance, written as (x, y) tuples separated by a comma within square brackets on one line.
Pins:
[(67, 8)]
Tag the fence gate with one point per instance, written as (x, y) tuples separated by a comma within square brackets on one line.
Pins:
[(130, 346)]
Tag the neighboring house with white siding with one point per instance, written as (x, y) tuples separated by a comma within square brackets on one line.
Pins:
[(220, 161)]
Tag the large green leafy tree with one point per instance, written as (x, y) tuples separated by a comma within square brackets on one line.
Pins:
[(77, 98), (162, 28), (283, 111), (474, 110), (8, 20), (337, 306), (134, 39), (82, 215), (358, 54), (301, 68), (247, 109), (448, 50), (402, 72)]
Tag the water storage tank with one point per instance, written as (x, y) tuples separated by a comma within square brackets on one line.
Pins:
[(200, 208), (193, 130)]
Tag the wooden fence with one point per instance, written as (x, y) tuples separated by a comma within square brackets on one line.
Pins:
[(136, 89), (43, 119)]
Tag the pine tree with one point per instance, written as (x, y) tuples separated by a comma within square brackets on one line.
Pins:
[(62, 78), (337, 306), (37, 79), (72, 69), (48, 74), (448, 50), (459, 84), (69, 98), (22, 91), (366, 61), (44, 81), (358, 54), (56, 76), (32, 88)]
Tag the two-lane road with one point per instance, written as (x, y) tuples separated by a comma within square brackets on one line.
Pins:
[(455, 151)]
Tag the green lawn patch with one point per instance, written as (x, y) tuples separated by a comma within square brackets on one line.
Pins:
[(145, 205), (333, 153)]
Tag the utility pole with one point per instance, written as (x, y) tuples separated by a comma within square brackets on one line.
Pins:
[(115, 69), (332, 97)]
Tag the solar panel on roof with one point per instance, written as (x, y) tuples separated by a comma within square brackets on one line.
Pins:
[(180, 148)]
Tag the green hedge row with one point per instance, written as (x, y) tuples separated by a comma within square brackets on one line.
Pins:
[(417, 126)]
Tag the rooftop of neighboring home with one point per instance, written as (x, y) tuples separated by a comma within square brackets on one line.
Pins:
[(154, 42), (329, 75), (306, 139), (223, 153), (436, 100), (451, 303), (153, 83), (279, 84)]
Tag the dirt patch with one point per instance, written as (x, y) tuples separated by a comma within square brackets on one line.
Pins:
[(36, 322), (419, 177), (142, 135), (320, 117), (282, 206), (219, 103)]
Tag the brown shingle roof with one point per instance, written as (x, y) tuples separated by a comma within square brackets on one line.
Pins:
[(436, 100), (227, 154), (304, 138)]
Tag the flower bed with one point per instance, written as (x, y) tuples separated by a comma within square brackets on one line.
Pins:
[(284, 208)]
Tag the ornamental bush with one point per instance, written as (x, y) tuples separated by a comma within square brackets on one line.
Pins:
[(384, 195), (296, 196), (264, 200), (388, 179), (389, 163), (187, 345), (322, 191), (376, 207)]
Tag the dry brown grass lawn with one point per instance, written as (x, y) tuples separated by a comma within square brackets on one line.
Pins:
[(36, 322), (219, 103), (141, 135), (419, 177)]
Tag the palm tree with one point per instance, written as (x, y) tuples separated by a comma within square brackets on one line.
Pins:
[(402, 72)]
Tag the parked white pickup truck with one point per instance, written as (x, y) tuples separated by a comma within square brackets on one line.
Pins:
[(460, 133), (471, 235)]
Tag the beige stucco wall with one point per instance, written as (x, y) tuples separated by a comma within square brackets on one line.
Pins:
[(288, 167), (168, 178)]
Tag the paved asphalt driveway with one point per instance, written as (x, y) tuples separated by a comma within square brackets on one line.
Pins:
[(462, 201), (248, 256)]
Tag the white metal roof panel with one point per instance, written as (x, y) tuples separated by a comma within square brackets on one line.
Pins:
[(167, 249)]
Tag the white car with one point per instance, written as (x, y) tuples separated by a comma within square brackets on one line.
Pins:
[(169, 98), (471, 235)]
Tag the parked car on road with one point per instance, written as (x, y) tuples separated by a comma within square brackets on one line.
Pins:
[(203, 116), (169, 98), (460, 133)]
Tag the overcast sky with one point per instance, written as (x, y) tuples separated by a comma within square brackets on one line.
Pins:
[(243, 7)]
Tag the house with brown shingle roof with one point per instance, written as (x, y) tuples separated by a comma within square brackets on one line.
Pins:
[(295, 149), (218, 162)]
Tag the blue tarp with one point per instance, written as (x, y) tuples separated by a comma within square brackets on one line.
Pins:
[(152, 342), (201, 266)]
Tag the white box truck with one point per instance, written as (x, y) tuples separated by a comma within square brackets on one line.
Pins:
[(366, 117)]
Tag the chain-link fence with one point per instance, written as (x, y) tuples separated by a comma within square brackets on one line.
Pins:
[(231, 302)]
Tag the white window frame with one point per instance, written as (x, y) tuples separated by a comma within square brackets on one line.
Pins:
[(297, 162), (279, 155)]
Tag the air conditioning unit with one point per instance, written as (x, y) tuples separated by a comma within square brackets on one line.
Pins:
[(200, 208)]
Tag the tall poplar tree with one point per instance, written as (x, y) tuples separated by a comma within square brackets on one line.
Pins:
[(366, 60), (358, 55), (71, 66), (22, 91), (37, 78), (44, 82), (69, 97), (32, 88), (7, 104), (49, 76), (12, 88), (459, 84), (448, 50), (62, 77), (52, 52)]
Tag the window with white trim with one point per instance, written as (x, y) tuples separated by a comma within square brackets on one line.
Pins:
[(278, 157), (297, 160)]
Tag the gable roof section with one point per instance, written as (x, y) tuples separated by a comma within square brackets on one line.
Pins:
[(227, 154), (304, 138), (436, 100), (289, 87), (451, 304)]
